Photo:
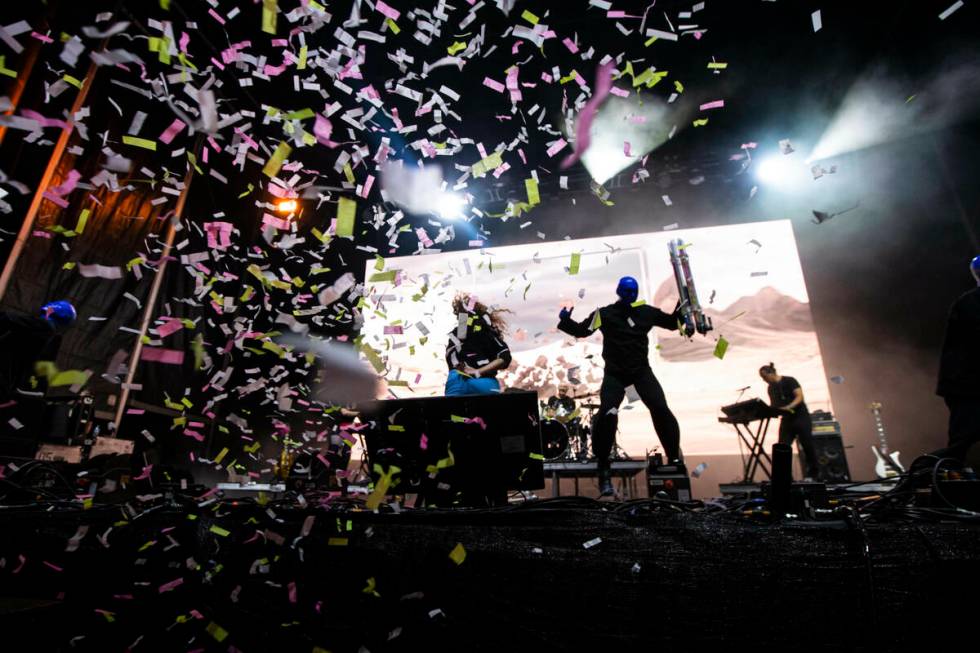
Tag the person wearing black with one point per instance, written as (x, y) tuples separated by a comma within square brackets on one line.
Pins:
[(786, 396), (27, 339), (959, 372), (625, 350), (476, 349)]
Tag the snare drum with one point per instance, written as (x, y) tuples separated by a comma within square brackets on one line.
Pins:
[(554, 439)]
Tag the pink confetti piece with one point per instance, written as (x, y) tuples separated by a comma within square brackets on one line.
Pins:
[(716, 104), (52, 566), (423, 442), (393, 330), (42, 38), (161, 355), (170, 132), (493, 84), (583, 139), (390, 12), (167, 587), (292, 585), (570, 45), (557, 147), (216, 16), (626, 148), (145, 474), (615, 90)]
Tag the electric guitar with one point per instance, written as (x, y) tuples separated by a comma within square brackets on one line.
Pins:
[(886, 464)]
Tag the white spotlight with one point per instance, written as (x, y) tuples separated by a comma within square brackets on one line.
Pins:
[(782, 171), (448, 206)]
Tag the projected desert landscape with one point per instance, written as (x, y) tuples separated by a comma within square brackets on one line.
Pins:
[(748, 277)]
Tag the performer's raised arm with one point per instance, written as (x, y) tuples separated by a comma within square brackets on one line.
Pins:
[(576, 329)]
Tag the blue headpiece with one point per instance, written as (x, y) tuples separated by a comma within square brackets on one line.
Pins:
[(975, 268), (61, 312), (628, 289)]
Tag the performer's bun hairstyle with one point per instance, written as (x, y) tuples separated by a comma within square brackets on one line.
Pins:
[(768, 369)]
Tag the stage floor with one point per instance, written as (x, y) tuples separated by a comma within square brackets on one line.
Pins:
[(560, 574)]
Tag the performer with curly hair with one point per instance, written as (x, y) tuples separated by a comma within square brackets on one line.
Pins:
[(476, 348)]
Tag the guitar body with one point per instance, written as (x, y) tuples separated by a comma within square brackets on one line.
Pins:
[(886, 462), (887, 465)]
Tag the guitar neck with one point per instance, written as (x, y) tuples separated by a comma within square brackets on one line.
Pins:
[(880, 429)]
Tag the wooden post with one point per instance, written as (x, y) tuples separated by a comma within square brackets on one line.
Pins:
[(56, 153), (151, 300)]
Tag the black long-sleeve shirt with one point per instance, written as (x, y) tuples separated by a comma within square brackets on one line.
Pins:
[(24, 340), (481, 345), (959, 364), (624, 327)]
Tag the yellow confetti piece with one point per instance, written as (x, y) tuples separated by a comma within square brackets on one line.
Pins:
[(269, 10), (301, 64), (574, 265), (701, 122), (301, 114), (456, 47), (458, 554), (221, 455), (275, 161), (678, 86), (393, 25), (536, 456), (396, 427), (372, 356), (596, 321), (70, 265), (216, 631), (348, 173), (490, 162), (717, 65), (6, 71), (568, 78), (529, 17), (82, 221), (337, 541), (533, 196), (69, 377), (217, 530), (384, 276), (346, 211), (251, 187), (371, 584), (145, 143), (721, 348)]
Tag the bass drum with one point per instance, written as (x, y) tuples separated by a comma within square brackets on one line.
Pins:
[(554, 439)]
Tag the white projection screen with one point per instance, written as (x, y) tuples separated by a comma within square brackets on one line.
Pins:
[(748, 277)]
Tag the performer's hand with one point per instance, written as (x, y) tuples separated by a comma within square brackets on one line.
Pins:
[(566, 313), (470, 371)]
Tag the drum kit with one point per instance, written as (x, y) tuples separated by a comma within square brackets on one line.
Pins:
[(565, 433)]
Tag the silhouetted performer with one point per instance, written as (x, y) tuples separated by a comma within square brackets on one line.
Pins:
[(477, 350), (959, 371), (786, 396), (26, 339), (625, 349)]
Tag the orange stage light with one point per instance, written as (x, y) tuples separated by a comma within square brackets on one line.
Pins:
[(287, 206)]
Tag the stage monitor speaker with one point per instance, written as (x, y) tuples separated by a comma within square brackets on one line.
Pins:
[(831, 458)]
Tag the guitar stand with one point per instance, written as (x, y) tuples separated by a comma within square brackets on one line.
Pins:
[(758, 458)]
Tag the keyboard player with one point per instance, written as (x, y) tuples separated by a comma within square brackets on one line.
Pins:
[(786, 396)]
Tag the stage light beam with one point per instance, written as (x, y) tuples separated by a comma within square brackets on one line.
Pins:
[(448, 206)]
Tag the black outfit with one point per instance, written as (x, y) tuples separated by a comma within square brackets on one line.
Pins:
[(797, 425), (24, 340), (625, 348), (481, 345), (959, 375)]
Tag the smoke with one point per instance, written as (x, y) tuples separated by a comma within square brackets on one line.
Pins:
[(882, 107)]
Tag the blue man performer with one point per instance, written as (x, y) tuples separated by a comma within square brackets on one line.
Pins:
[(625, 350)]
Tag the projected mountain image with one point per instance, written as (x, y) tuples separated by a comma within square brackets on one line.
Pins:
[(759, 306)]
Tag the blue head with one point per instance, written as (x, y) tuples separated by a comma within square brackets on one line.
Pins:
[(628, 289), (59, 313), (975, 268)]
